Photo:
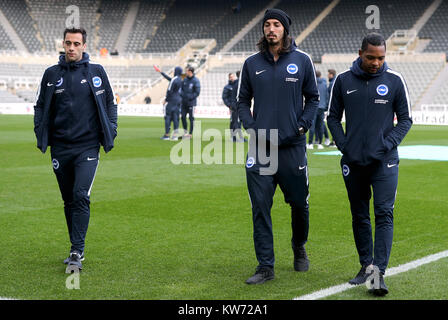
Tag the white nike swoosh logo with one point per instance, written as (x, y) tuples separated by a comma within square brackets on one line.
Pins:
[(391, 165), (49, 84), (348, 92), (90, 159), (83, 81), (302, 167), (258, 72)]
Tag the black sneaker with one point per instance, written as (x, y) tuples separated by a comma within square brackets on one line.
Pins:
[(261, 275), (68, 258), (301, 262), (379, 289), (74, 264), (361, 277)]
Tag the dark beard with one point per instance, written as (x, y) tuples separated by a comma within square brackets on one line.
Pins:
[(263, 44), (272, 42)]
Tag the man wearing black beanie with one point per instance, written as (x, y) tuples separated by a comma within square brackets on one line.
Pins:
[(281, 81), (279, 15)]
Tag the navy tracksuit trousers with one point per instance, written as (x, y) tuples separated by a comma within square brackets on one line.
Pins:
[(75, 170), (235, 124), (171, 114), (184, 111), (381, 177), (292, 177)]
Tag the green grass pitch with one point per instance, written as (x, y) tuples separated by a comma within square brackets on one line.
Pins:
[(164, 231)]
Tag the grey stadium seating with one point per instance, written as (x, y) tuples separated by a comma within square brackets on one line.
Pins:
[(442, 96), (163, 27), (50, 18), (213, 82), (436, 29), (17, 13), (150, 14), (301, 13), (110, 21), (343, 29), (5, 41), (189, 19)]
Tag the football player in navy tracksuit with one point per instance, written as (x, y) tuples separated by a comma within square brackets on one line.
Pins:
[(229, 98), (371, 95), (278, 77), (191, 88), (172, 102), (74, 113)]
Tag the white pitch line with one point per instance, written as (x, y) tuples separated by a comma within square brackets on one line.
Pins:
[(390, 272), (345, 286)]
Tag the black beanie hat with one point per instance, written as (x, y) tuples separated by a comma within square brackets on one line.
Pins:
[(278, 14)]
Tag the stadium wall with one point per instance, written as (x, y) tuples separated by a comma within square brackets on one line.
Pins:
[(426, 117), (143, 110)]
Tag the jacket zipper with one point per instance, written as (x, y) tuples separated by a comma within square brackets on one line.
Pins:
[(72, 81), (365, 121)]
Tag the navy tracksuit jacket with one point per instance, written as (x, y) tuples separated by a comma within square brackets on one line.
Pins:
[(74, 113), (278, 89), (369, 148), (229, 94), (191, 88), (173, 99)]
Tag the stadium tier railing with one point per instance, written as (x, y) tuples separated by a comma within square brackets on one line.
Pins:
[(94, 55), (402, 40)]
